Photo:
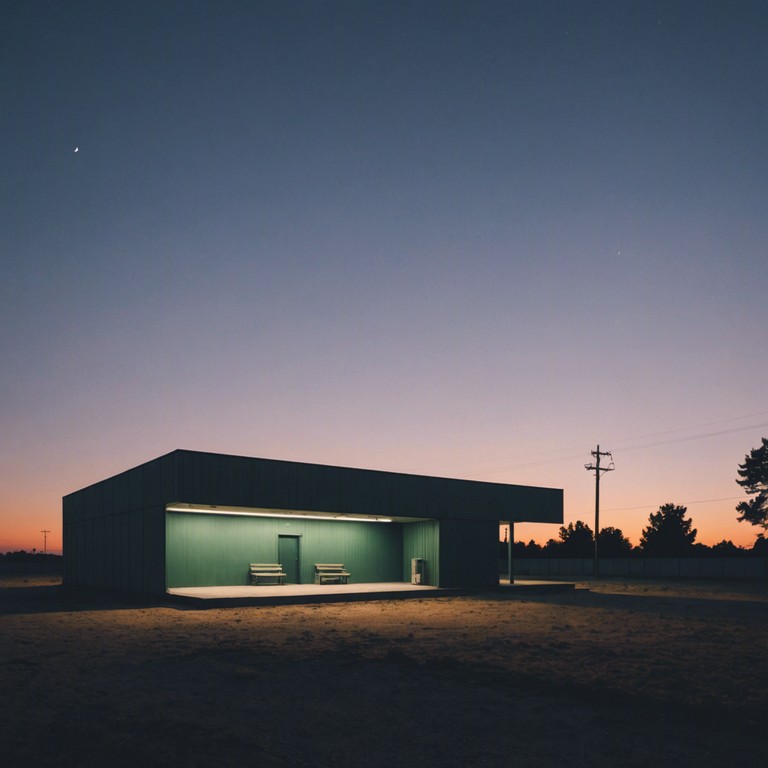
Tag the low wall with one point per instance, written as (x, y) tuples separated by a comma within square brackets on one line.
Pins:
[(645, 567)]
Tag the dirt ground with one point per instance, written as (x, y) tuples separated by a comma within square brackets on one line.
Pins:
[(615, 673)]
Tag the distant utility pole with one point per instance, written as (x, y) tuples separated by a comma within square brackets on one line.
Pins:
[(597, 469), (45, 541)]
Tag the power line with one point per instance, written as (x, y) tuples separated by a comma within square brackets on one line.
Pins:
[(643, 437), (580, 515), (685, 503), (540, 463), (693, 426), (582, 448), (688, 438), (695, 437)]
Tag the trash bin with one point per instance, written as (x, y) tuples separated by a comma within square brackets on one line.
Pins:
[(418, 570)]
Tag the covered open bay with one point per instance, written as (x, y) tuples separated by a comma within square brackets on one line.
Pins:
[(625, 673)]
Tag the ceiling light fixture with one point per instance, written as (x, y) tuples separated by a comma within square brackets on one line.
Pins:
[(224, 511)]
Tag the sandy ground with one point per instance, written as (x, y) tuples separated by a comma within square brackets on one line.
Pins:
[(620, 674)]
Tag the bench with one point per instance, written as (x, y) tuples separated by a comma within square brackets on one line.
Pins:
[(272, 571), (325, 572)]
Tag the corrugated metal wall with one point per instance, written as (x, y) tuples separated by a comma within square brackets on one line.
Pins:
[(114, 531), (215, 550), (209, 478), (469, 551), (421, 539), (119, 551)]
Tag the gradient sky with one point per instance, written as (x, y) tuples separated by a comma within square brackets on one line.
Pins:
[(468, 239)]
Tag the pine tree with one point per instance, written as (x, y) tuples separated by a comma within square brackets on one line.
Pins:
[(613, 543), (576, 540), (669, 533), (753, 476)]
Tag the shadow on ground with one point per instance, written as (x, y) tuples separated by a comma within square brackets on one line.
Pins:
[(57, 599), (714, 606)]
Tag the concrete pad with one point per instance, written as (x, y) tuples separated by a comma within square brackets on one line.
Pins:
[(528, 586), (293, 594), (283, 590)]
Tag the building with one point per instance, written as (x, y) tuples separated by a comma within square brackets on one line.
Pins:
[(198, 519)]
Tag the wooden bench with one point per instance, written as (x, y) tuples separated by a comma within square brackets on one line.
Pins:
[(325, 572), (272, 571)]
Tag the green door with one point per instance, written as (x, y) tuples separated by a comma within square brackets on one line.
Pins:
[(288, 556)]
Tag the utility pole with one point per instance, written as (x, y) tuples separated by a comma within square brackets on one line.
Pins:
[(510, 551), (45, 541), (597, 469)]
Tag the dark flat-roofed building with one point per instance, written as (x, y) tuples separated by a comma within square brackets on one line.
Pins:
[(191, 519)]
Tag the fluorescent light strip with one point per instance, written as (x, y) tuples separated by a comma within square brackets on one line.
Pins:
[(337, 518)]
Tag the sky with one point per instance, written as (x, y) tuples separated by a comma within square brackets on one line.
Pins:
[(467, 239)]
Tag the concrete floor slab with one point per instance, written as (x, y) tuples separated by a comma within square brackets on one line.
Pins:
[(291, 594), (284, 590)]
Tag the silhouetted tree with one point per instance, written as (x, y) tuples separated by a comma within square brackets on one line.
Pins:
[(21, 555), (760, 547), (668, 533), (613, 543), (753, 476), (726, 549), (700, 550), (576, 540), (532, 549), (552, 548), (521, 549)]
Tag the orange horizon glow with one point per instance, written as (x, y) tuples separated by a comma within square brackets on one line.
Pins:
[(702, 478), (25, 536)]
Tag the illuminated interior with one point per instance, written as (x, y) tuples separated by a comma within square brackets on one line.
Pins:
[(215, 509)]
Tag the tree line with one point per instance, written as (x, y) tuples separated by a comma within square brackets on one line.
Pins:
[(669, 532), (22, 556)]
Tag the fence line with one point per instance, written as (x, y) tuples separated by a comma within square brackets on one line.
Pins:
[(644, 567)]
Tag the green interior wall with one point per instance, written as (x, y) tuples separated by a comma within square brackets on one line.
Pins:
[(215, 550), (421, 539)]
